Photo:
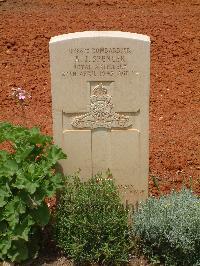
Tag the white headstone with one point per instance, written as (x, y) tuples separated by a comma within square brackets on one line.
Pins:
[(100, 98)]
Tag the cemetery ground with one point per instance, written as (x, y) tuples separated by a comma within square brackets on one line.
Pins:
[(173, 26)]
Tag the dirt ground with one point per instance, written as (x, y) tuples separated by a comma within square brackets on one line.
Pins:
[(173, 26), (26, 27)]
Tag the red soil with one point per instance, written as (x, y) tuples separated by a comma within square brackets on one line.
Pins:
[(173, 26)]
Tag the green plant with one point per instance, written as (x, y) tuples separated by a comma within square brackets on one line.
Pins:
[(169, 228), (27, 176), (91, 223)]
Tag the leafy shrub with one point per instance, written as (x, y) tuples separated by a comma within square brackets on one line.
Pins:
[(169, 228), (91, 222), (26, 178)]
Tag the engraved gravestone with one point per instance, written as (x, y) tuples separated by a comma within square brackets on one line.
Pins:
[(100, 101)]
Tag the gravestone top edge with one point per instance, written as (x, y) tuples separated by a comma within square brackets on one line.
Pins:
[(96, 34)]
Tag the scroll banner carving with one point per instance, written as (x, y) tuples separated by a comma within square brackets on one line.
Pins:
[(101, 112)]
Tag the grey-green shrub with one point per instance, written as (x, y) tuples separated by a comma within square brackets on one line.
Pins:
[(169, 228), (91, 222)]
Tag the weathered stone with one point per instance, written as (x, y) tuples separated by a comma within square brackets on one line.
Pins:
[(100, 97)]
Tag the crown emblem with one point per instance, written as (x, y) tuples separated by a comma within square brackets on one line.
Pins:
[(101, 112), (100, 90)]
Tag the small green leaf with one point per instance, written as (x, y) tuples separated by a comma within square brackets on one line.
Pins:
[(23, 152), (4, 130), (3, 227), (4, 155), (5, 244), (23, 228), (31, 168), (8, 168), (26, 182), (156, 182), (13, 209), (37, 138), (18, 251), (40, 194), (4, 194), (54, 154), (52, 184), (41, 215)]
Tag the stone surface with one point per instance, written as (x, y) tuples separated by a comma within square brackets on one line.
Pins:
[(100, 97)]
